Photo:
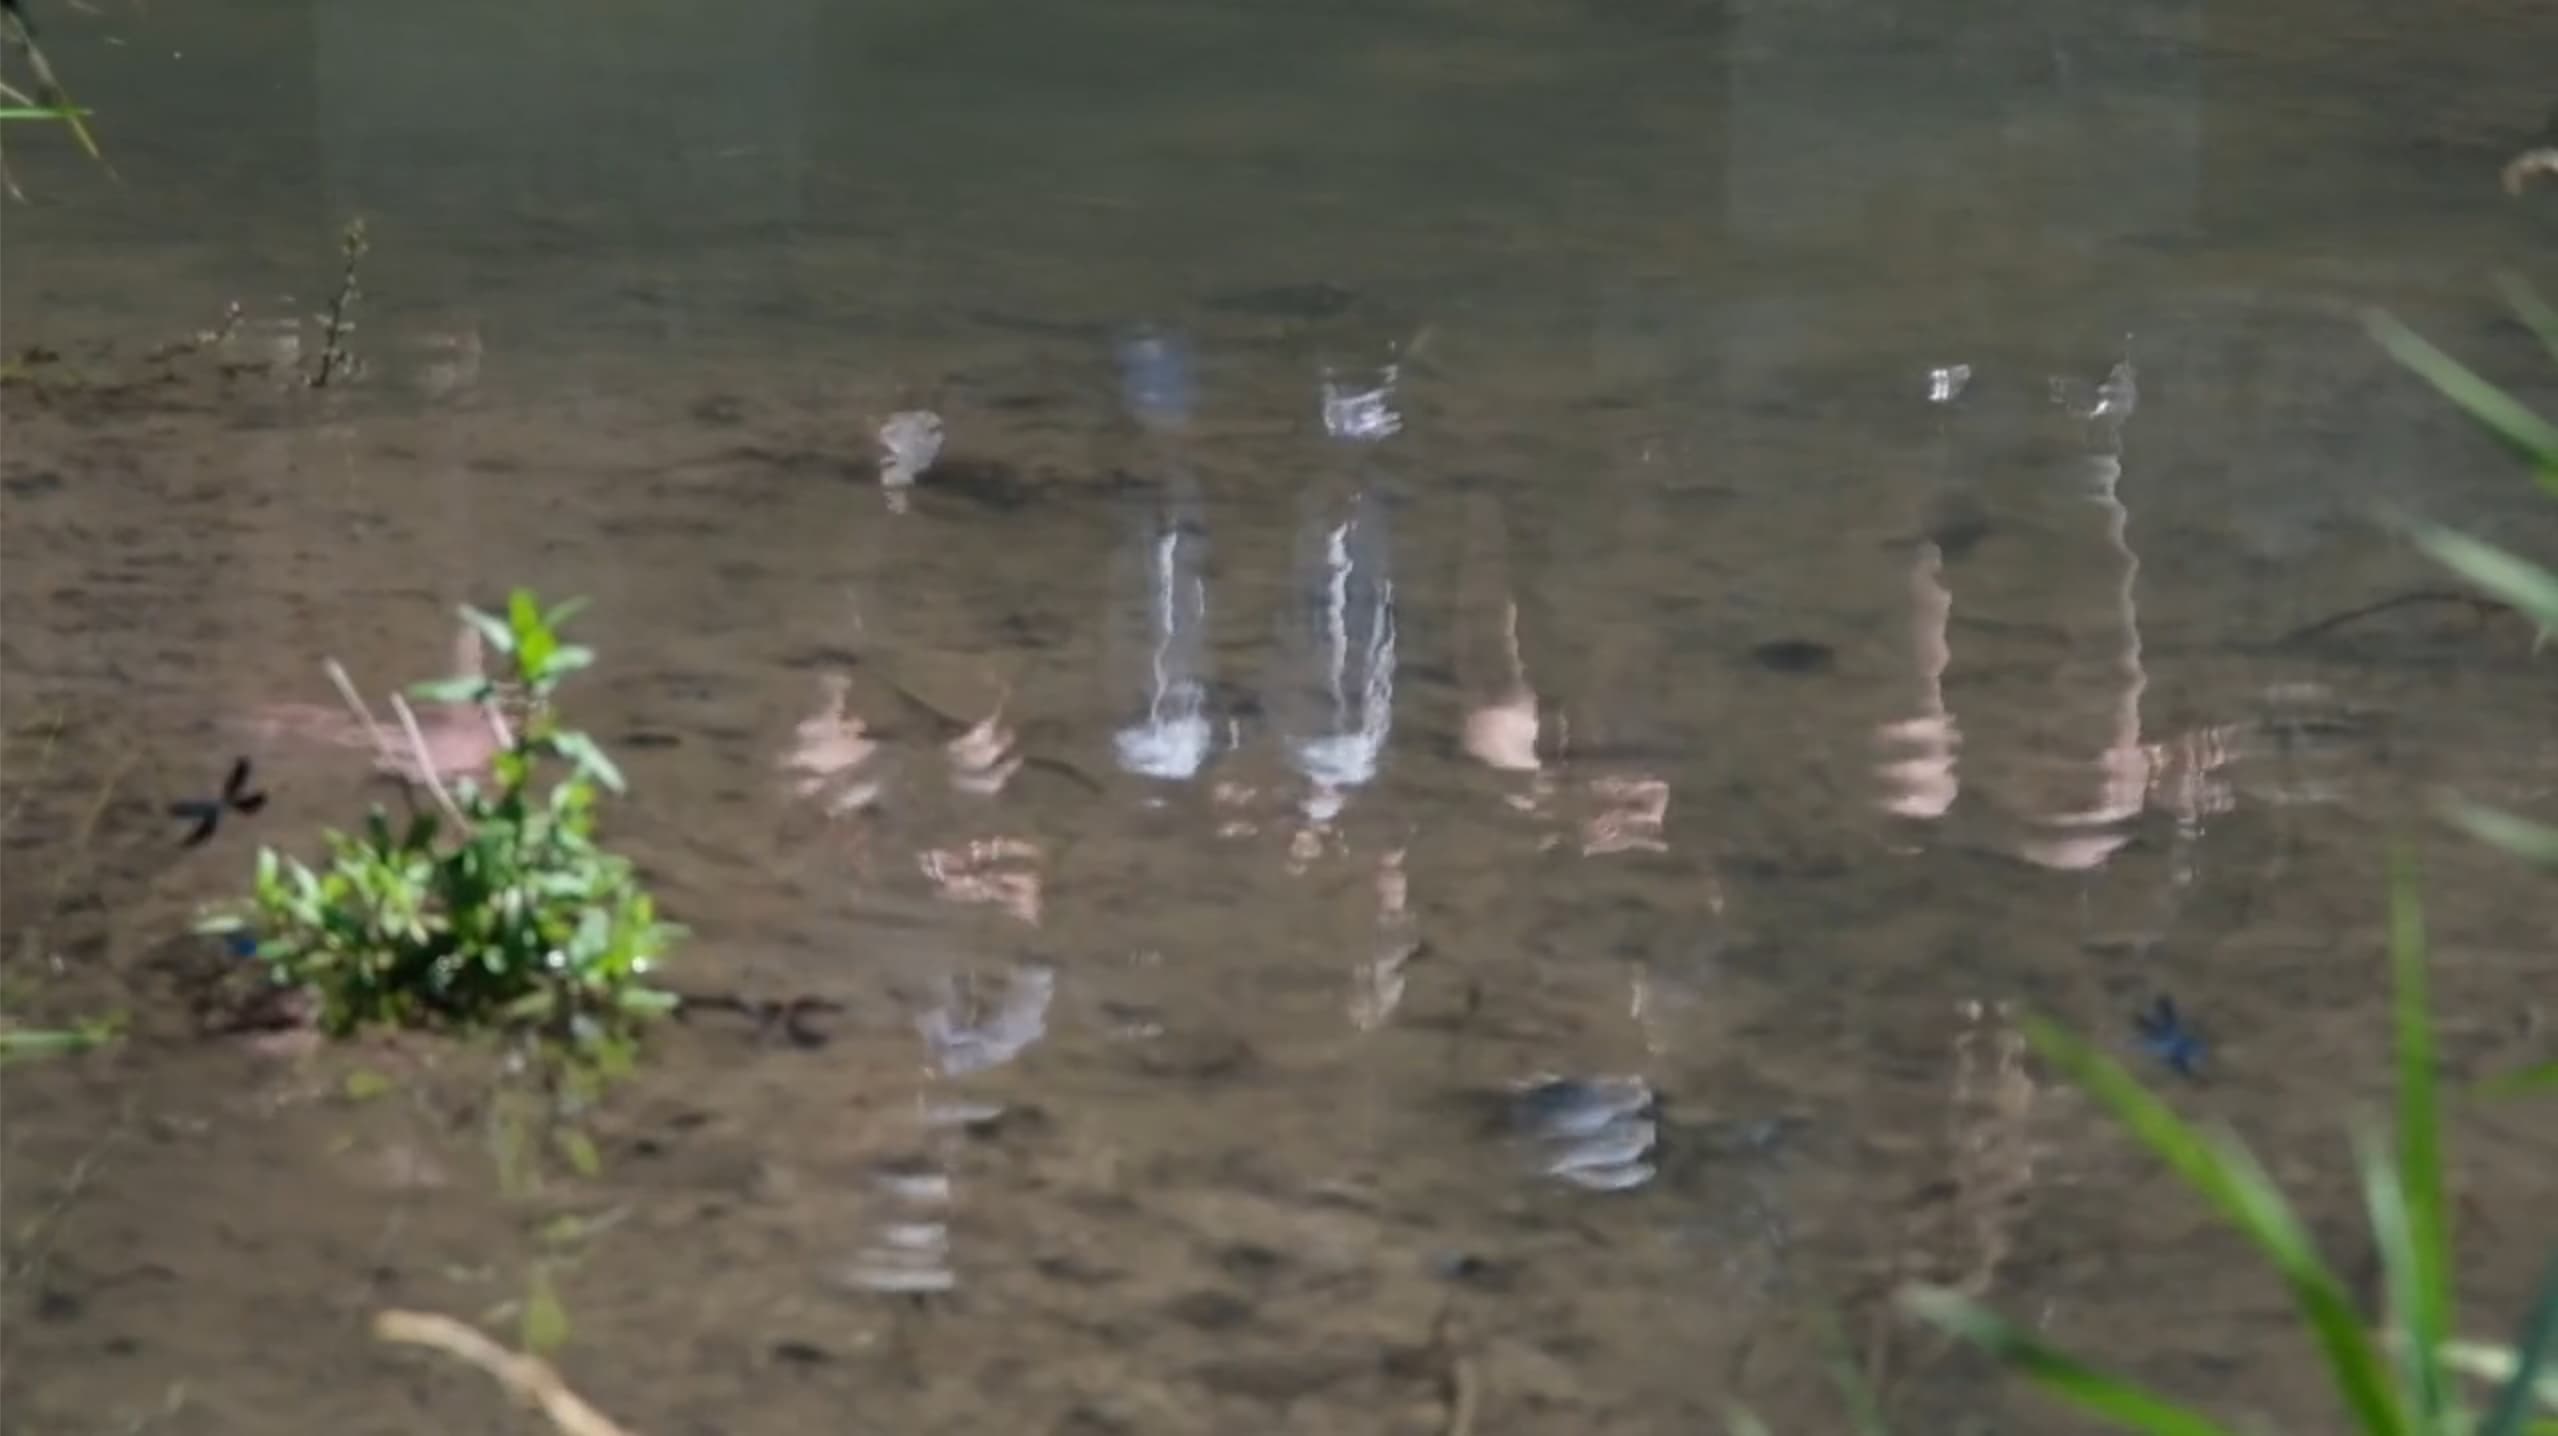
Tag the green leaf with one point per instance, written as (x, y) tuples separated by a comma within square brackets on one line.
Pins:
[(2534, 310), (568, 608), (450, 690), (2529, 588), (2536, 437), (545, 1320), (1740, 1420), (2228, 1176), (2430, 1317), (578, 1150), (493, 631), (364, 1084), (2533, 1356), (2539, 1077), (2425, 1382), (2520, 836), (2056, 1371), (590, 760)]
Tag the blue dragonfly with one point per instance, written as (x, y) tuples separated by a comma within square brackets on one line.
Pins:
[(2164, 1035)]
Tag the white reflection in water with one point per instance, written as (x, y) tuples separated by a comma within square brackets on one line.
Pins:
[(1174, 739), (1377, 989), (1919, 751), (968, 1032), (1361, 414), (1341, 690), (2080, 834)]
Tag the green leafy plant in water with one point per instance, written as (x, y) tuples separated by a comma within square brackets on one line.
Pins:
[(495, 911), (2405, 1382)]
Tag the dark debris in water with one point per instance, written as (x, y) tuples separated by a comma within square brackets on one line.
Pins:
[(983, 482), (1793, 655)]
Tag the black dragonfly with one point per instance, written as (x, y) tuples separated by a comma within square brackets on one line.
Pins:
[(207, 813)]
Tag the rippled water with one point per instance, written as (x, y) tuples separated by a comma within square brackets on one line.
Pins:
[(1531, 627)]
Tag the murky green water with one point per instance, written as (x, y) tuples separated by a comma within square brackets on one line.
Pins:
[(1684, 692)]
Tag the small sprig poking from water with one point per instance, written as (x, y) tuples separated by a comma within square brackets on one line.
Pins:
[(336, 359)]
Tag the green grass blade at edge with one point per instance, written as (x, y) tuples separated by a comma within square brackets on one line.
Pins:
[(1865, 1413), (2420, 1355), (2056, 1371), (1742, 1421), (2536, 437), (2430, 1318), (2231, 1180), (2534, 1349), (2517, 581), (2535, 311), (2538, 1077), (2531, 841)]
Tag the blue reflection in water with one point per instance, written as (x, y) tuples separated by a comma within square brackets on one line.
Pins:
[(1595, 1132), (1156, 381)]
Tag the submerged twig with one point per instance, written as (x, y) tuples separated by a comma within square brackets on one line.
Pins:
[(335, 360), (363, 712), (426, 763), (2484, 607), (529, 1378)]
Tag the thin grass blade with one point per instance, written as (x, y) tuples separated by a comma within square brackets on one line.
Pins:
[(2056, 1371), (2534, 310), (1865, 1414), (2536, 437), (1742, 1421), (2518, 581), (2230, 1179), (2539, 1077), (2520, 836), (2429, 1314), (2535, 1351), (2424, 1379)]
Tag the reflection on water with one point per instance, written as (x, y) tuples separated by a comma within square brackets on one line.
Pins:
[(1591, 653), (1172, 741), (1334, 702)]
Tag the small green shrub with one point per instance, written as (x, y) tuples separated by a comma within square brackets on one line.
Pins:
[(494, 910)]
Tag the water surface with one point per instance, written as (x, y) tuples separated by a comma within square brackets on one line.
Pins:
[(1824, 590)]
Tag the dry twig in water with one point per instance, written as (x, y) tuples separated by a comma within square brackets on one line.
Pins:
[(426, 762), (530, 1378)]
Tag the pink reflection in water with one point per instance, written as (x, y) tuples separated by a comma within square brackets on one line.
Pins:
[(1002, 872), (458, 740)]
